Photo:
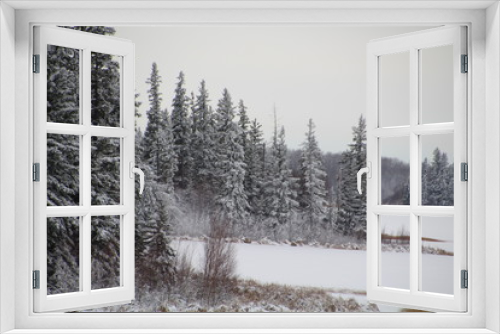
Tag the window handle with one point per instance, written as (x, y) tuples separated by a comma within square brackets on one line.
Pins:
[(368, 171), (135, 170)]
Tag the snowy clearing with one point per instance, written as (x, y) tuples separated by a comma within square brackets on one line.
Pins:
[(326, 268)]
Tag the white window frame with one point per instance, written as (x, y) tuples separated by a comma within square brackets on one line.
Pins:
[(85, 43), (483, 20), (413, 43)]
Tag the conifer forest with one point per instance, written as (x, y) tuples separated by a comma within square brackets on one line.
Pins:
[(214, 177)]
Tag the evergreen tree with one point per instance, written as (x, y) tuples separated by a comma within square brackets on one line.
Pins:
[(231, 197), (438, 180), (158, 256), (244, 123), (285, 183), (312, 181), (203, 140), (153, 137), (271, 178), (181, 129), (255, 170), (168, 158), (351, 219)]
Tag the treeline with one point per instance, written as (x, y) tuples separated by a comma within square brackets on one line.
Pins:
[(217, 157)]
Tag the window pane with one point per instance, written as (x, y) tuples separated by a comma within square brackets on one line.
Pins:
[(437, 170), (105, 171), (394, 89), (395, 251), (437, 84), (395, 170), (63, 85), (105, 89), (105, 252), (63, 255), (63, 170), (437, 254)]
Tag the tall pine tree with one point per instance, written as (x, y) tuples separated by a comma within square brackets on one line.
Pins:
[(312, 181), (203, 141), (351, 218), (231, 197), (181, 129)]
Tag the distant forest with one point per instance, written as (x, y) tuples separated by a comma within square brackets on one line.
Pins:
[(205, 161)]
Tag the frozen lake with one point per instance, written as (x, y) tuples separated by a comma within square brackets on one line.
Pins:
[(327, 268)]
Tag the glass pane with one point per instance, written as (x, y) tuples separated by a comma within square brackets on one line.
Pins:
[(63, 170), (63, 255), (395, 251), (105, 89), (437, 254), (105, 171), (437, 170), (63, 85), (394, 89), (105, 252), (437, 84), (395, 170)]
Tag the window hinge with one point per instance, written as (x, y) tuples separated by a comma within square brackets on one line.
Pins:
[(36, 279), (36, 172), (464, 167), (464, 279), (465, 64), (36, 63)]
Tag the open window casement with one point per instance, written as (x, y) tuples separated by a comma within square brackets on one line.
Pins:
[(416, 113), (83, 170)]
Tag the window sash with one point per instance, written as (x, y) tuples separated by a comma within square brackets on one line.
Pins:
[(412, 43), (86, 297)]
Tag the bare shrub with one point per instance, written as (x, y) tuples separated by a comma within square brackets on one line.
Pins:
[(219, 277)]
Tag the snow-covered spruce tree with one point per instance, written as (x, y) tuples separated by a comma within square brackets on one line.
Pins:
[(254, 176), (153, 141), (231, 198), (312, 182), (270, 178), (285, 183), (203, 141), (438, 177), (345, 196), (425, 180), (168, 157), (181, 129), (159, 163), (351, 218), (358, 149), (140, 206), (244, 124), (158, 262)]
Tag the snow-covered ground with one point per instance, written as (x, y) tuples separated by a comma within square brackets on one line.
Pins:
[(327, 268)]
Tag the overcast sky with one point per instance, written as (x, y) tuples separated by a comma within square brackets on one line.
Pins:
[(316, 72)]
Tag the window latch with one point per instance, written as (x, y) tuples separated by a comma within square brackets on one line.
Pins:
[(368, 171), (134, 170)]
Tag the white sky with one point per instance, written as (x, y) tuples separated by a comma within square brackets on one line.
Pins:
[(314, 72)]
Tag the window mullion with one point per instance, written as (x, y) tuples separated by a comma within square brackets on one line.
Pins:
[(86, 151), (414, 181)]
